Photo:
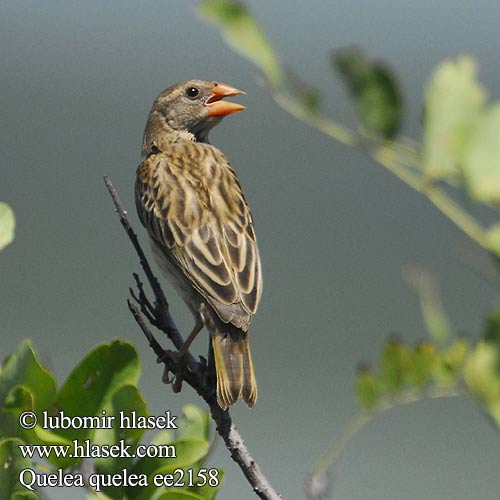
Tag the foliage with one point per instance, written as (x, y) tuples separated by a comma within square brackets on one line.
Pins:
[(244, 35), (409, 373), (374, 89), (459, 153), (7, 225), (104, 381), (460, 143)]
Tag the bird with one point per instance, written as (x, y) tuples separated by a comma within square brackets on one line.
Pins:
[(191, 203)]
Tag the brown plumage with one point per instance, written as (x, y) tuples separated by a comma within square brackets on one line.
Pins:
[(191, 203)]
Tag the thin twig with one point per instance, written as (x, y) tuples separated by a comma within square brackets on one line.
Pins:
[(240, 454), (318, 481), (395, 157), (196, 373)]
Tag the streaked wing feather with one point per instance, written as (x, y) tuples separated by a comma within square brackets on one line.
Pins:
[(194, 208)]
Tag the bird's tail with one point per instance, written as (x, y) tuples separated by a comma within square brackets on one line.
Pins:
[(233, 364)]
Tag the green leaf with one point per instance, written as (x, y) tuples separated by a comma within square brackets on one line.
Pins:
[(423, 359), (11, 464), (162, 437), (24, 385), (209, 492), (481, 166), (450, 363), (367, 388), (126, 399), (243, 34), (191, 449), (24, 495), (455, 355), (454, 102), (205, 492), (305, 96), (482, 376), (23, 368), (42, 436), (393, 366), (93, 496), (194, 423), (7, 225), (374, 88), (91, 385), (491, 331), (188, 453), (20, 398), (493, 241), (177, 495)]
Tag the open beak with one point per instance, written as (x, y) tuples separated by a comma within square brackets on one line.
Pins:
[(218, 107)]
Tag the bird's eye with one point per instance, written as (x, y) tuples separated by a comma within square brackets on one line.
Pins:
[(192, 92)]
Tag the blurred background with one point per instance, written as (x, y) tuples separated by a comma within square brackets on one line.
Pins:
[(335, 229)]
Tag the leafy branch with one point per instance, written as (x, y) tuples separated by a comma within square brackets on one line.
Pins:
[(459, 153), (441, 367), (318, 480), (104, 382), (460, 147), (407, 375)]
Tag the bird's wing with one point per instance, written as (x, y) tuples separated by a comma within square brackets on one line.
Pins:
[(192, 206)]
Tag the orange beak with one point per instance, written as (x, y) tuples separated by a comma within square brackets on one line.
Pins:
[(218, 107)]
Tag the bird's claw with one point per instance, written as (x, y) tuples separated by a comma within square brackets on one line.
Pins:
[(166, 378), (173, 377)]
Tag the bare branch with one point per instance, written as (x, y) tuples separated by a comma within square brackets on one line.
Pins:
[(240, 454), (196, 373)]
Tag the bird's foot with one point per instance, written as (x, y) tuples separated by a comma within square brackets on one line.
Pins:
[(173, 376)]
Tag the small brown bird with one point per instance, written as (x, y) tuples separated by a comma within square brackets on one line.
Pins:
[(190, 201)]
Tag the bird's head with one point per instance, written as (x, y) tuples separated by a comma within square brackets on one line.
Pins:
[(192, 107)]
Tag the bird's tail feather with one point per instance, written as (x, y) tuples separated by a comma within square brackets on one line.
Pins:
[(235, 375)]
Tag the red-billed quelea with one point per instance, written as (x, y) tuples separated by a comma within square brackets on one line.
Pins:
[(190, 201)]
